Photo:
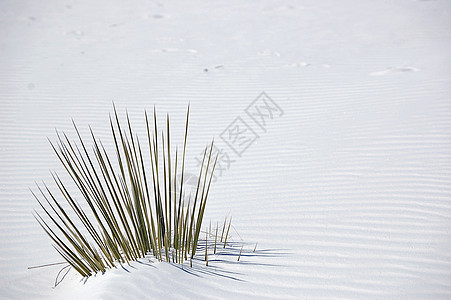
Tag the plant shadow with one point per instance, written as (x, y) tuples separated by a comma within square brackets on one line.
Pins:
[(218, 263), (233, 254)]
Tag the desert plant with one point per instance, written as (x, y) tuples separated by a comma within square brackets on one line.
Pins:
[(133, 209)]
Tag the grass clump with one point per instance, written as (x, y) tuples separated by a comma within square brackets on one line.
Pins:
[(135, 205)]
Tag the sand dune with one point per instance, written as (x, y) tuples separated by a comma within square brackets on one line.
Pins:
[(343, 180)]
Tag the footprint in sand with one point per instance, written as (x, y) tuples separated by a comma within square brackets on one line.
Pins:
[(299, 64), (304, 64), (268, 52), (175, 50), (217, 67), (395, 70)]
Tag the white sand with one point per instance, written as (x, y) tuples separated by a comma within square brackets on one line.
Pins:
[(348, 193)]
